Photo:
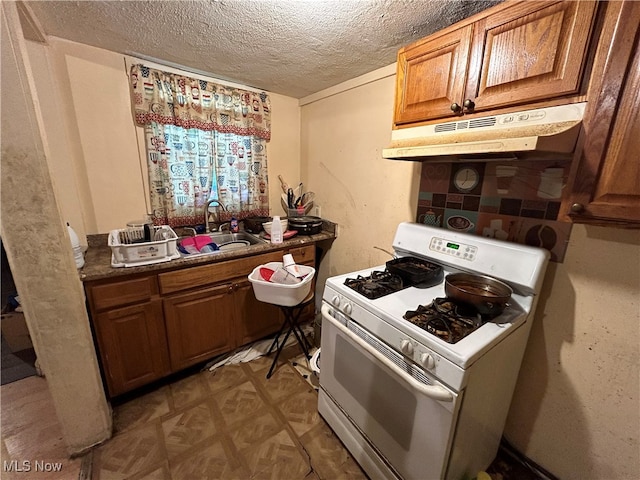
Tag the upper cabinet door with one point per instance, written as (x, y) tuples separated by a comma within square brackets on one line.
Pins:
[(604, 185), (431, 77), (529, 52)]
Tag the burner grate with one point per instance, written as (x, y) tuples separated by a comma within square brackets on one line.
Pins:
[(446, 319), (376, 285)]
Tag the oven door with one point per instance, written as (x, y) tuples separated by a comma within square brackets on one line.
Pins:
[(405, 416)]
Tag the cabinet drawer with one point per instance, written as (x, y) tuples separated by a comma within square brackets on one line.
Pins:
[(305, 254), (114, 294), (194, 277)]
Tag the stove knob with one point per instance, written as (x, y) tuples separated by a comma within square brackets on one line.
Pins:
[(427, 361), (336, 301), (406, 347), (347, 308)]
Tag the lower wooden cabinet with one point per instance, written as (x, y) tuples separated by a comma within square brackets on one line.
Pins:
[(148, 326), (199, 325), (133, 344), (258, 319)]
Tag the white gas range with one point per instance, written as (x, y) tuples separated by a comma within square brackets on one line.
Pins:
[(415, 401)]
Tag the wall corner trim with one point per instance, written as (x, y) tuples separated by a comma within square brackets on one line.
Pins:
[(373, 76)]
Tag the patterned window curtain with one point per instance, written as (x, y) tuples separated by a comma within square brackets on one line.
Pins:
[(204, 142)]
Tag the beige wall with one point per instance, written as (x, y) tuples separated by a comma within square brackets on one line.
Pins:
[(576, 409), (283, 151), (342, 140)]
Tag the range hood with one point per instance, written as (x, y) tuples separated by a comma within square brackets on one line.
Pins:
[(530, 132)]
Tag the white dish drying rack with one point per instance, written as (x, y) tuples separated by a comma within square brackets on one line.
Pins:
[(128, 248)]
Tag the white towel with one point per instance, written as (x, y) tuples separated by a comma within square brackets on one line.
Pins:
[(255, 350)]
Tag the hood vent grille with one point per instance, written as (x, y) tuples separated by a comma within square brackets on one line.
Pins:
[(464, 124), (446, 127), (483, 122)]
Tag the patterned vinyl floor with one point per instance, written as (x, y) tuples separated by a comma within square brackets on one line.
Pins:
[(232, 423), (229, 424)]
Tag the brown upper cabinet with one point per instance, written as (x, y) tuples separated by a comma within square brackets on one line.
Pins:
[(604, 183), (513, 54)]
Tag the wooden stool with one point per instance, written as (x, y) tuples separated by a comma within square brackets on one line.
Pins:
[(291, 317)]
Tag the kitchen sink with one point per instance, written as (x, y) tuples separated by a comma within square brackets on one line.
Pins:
[(225, 241)]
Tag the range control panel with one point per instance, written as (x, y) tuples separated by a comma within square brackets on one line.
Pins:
[(455, 249)]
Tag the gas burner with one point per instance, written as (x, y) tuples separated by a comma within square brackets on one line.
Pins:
[(378, 284), (445, 319)]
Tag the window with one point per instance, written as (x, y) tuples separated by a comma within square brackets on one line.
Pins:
[(204, 141)]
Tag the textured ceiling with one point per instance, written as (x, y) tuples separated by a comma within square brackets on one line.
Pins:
[(290, 47)]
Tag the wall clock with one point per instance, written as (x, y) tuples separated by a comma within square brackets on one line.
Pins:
[(466, 179)]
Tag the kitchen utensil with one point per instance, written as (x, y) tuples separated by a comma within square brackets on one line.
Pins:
[(300, 210), (210, 248), (284, 185), (415, 271), (283, 221), (488, 295), (266, 273), (161, 233), (147, 232), (307, 197), (298, 195), (254, 224), (306, 225), (290, 198)]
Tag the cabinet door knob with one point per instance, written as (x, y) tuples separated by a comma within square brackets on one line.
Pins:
[(455, 107), (469, 104), (577, 207), (231, 288)]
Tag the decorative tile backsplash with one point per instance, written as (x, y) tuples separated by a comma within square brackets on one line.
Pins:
[(514, 201)]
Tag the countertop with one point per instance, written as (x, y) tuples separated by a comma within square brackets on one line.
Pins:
[(97, 258)]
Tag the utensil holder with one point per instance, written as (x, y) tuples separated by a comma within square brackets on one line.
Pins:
[(300, 211)]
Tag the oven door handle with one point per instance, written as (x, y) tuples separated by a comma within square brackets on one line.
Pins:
[(436, 392)]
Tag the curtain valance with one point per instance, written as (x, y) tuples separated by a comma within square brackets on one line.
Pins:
[(171, 99)]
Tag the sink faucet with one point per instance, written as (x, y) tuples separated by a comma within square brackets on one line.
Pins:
[(217, 217), (190, 230)]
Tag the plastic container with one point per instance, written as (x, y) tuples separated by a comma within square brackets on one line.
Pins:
[(300, 211), (129, 249), (284, 223), (290, 266), (276, 230), (78, 253), (279, 294)]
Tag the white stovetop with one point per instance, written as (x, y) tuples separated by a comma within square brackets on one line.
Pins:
[(392, 307), (520, 266)]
